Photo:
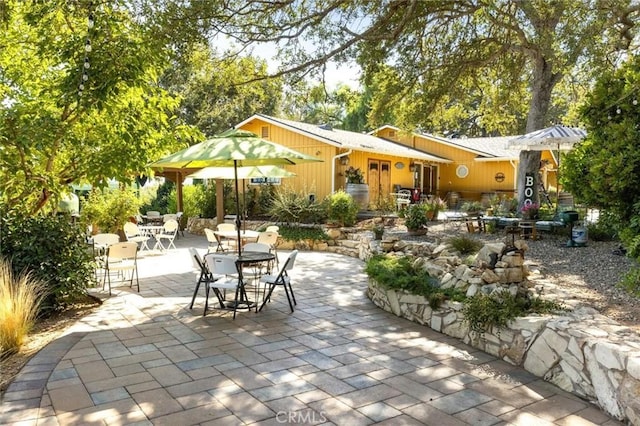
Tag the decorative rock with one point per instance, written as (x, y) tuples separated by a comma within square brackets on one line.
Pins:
[(333, 233), (514, 261), (484, 255), (472, 290), (434, 270), (490, 276), (439, 249)]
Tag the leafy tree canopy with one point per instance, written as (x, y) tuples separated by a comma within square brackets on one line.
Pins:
[(604, 170), (213, 98), (80, 99), (426, 57)]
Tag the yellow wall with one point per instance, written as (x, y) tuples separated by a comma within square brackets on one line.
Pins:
[(316, 177), (482, 175)]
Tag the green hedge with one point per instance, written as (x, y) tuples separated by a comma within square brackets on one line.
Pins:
[(54, 250)]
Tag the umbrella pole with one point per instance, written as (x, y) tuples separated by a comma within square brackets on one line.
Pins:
[(558, 182), (235, 172)]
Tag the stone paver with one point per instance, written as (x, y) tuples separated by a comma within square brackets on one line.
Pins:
[(145, 358)]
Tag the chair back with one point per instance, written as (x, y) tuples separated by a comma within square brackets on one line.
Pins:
[(291, 260), (272, 228), (169, 216), (268, 237), (221, 264), (122, 251), (170, 227), (106, 239), (263, 248), (226, 227), (196, 260), (153, 213), (131, 229), (211, 237)]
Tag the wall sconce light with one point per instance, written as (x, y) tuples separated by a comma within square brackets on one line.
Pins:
[(344, 160)]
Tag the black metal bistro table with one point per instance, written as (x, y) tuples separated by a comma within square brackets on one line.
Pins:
[(255, 259)]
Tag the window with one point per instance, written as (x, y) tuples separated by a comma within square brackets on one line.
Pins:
[(462, 171), (265, 131)]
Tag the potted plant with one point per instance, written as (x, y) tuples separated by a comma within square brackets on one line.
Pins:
[(530, 211), (378, 230), (354, 175), (433, 207), (415, 219), (356, 187), (472, 208)]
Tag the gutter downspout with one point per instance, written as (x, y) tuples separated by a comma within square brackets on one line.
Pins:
[(515, 176), (333, 168)]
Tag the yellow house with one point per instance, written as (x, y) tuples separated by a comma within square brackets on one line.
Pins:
[(387, 165), (478, 167), (391, 159)]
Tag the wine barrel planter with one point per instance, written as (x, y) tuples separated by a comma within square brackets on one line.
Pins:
[(360, 194)]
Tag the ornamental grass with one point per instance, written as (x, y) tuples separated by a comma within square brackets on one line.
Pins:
[(20, 297)]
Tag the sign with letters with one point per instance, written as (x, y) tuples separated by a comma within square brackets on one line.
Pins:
[(529, 189), (265, 180)]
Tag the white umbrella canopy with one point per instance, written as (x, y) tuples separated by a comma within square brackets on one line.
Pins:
[(246, 172), (550, 138)]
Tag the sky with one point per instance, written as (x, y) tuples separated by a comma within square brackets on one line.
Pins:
[(348, 74)]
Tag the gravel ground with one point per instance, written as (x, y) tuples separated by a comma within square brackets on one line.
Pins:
[(576, 275)]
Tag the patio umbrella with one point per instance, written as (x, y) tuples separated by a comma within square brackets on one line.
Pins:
[(554, 137), (233, 148), (246, 172), (550, 138)]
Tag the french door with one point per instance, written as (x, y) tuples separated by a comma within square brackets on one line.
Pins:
[(379, 180)]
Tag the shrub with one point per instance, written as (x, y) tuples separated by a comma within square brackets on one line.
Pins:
[(605, 229), (472, 206), (342, 209), (483, 311), (399, 273), (54, 250), (109, 209), (290, 206), (161, 201), (20, 298), (298, 233), (631, 282), (465, 245), (259, 200), (415, 217)]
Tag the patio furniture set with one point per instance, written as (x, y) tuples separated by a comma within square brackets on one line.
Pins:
[(229, 266)]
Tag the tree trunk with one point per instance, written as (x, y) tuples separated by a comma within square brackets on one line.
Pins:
[(544, 80)]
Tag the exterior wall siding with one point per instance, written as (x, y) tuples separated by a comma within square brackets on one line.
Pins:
[(316, 177)]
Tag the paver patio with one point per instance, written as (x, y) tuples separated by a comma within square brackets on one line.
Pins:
[(145, 358)]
